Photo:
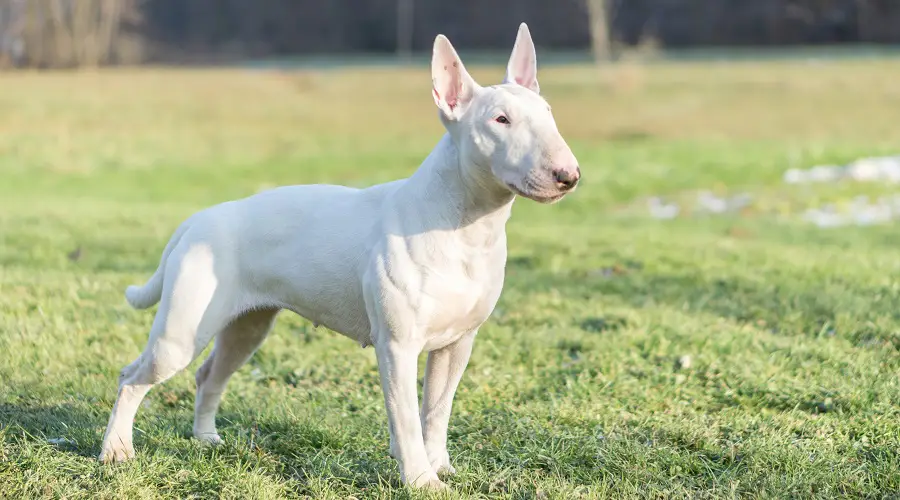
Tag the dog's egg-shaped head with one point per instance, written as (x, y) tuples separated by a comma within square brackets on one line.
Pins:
[(507, 131)]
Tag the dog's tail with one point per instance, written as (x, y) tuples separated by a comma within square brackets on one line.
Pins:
[(142, 297)]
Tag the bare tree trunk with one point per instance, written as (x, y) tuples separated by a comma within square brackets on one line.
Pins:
[(127, 45), (74, 33), (84, 20), (599, 19), (33, 35), (9, 23), (110, 21), (405, 21), (863, 21), (60, 35)]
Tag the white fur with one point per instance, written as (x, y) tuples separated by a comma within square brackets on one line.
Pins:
[(408, 266)]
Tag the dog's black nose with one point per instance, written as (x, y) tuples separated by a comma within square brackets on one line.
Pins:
[(566, 178)]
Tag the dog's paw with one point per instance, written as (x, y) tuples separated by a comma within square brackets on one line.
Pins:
[(441, 464), (114, 452), (426, 479), (429, 482), (209, 438)]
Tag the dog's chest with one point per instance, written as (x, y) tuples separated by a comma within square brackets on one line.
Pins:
[(460, 295)]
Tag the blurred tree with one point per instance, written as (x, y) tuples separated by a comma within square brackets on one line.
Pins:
[(601, 29), (405, 23), (12, 28), (69, 33)]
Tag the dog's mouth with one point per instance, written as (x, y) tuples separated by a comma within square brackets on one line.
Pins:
[(536, 197)]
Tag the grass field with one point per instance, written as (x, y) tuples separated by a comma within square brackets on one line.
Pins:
[(574, 389)]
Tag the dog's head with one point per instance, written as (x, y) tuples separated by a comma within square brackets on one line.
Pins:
[(507, 131)]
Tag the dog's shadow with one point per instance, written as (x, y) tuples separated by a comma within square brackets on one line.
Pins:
[(68, 427), (293, 451), (304, 451)]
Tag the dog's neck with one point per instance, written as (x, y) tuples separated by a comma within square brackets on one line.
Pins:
[(462, 197)]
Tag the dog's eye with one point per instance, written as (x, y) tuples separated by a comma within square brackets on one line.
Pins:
[(502, 119)]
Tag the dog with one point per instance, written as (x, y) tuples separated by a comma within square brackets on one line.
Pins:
[(410, 266)]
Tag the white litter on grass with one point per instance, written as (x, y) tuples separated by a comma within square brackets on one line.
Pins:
[(683, 362), (826, 217), (662, 210), (860, 213), (61, 441), (874, 169), (712, 203), (708, 202)]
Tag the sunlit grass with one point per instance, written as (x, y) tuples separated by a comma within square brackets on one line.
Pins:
[(793, 332)]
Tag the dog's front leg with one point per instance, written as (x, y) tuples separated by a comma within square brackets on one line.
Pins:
[(397, 364), (442, 375)]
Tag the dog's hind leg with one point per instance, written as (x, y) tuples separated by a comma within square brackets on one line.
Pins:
[(233, 347), (194, 307)]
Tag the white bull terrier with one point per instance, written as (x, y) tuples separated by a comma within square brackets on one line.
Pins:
[(407, 266)]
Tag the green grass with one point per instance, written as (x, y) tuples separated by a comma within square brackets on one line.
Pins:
[(573, 390)]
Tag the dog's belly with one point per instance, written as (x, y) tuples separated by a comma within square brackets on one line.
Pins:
[(308, 258), (328, 297), (348, 322)]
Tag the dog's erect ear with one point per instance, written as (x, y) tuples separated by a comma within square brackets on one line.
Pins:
[(452, 86), (522, 67)]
